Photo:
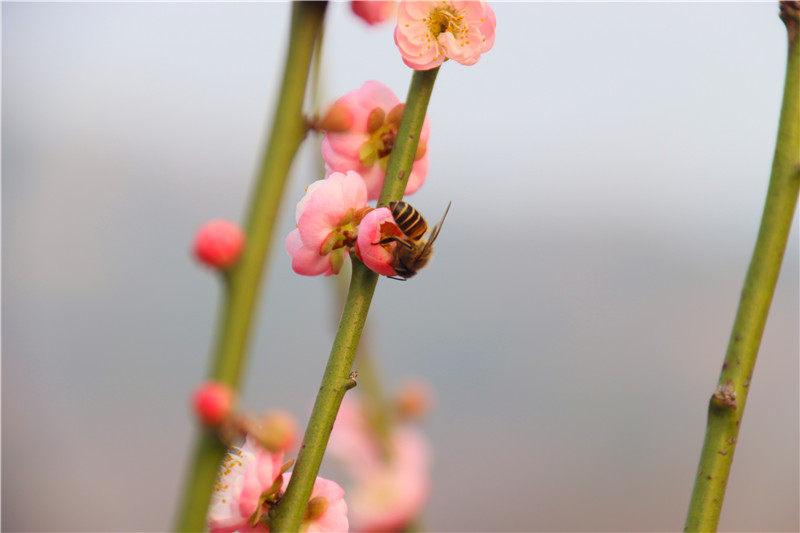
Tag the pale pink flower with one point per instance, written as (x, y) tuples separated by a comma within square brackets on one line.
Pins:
[(327, 220), (375, 226), (430, 32), (374, 11), (374, 112), (218, 243), (393, 494), (387, 494), (213, 402), (326, 511), (247, 473)]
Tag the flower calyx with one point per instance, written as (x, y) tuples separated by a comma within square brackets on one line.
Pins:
[(382, 130), (337, 119), (269, 498), (346, 233)]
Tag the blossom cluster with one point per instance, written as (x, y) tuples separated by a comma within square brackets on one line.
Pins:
[(252, 481), (391, 482), (333, 219), (333, 222)]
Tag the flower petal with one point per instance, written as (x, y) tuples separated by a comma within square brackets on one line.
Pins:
[(375, 256)]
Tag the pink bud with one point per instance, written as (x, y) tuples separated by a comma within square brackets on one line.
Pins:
[(218, 243), (373, 11), (213, 402)]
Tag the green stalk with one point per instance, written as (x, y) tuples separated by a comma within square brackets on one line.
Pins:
[(243, 281), (374, 401), (288, 514), (727, 404), (405, 148)]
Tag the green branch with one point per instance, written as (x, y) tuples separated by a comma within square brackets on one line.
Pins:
[(242, 282), (727, 404), (287, 516), (398, 169)]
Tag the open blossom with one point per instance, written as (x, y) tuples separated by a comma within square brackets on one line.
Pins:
[(327, 220), (393, 495), (386, 495), (251, 476), (374, 113), (326, 511), (246, 474), (374, 11), (375, 226), (430, 32)]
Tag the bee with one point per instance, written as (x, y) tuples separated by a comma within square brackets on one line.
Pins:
[(413, 250)]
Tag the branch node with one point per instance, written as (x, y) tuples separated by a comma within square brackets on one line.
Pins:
[(351, 380), (725, 396), (790, 15)]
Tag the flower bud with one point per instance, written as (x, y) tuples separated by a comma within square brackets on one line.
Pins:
[(338, 119), (276, 431), (213, 403), (219, 243), (413, 400), (316, 508)]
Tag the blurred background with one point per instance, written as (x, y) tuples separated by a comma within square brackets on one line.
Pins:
[(607, 165)]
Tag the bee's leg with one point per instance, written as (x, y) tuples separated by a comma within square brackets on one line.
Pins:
[(387, 240)]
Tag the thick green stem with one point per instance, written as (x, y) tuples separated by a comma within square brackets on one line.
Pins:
[(727, 404), (287, 516), (242, 282)]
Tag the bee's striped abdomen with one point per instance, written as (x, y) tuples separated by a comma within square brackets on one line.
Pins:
[(408, 220)]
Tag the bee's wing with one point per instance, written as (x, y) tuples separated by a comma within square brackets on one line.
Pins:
[(437, 228)]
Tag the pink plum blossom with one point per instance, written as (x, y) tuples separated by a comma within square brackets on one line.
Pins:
[(375, 226), (247, 474), (430, 32), (327, 220), (387, 494), (374, 11), (374, 112), (326, 511), (218, 243), (213, 402)]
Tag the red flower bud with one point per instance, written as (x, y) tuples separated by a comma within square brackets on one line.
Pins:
[(213, 403), (218, 243)]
